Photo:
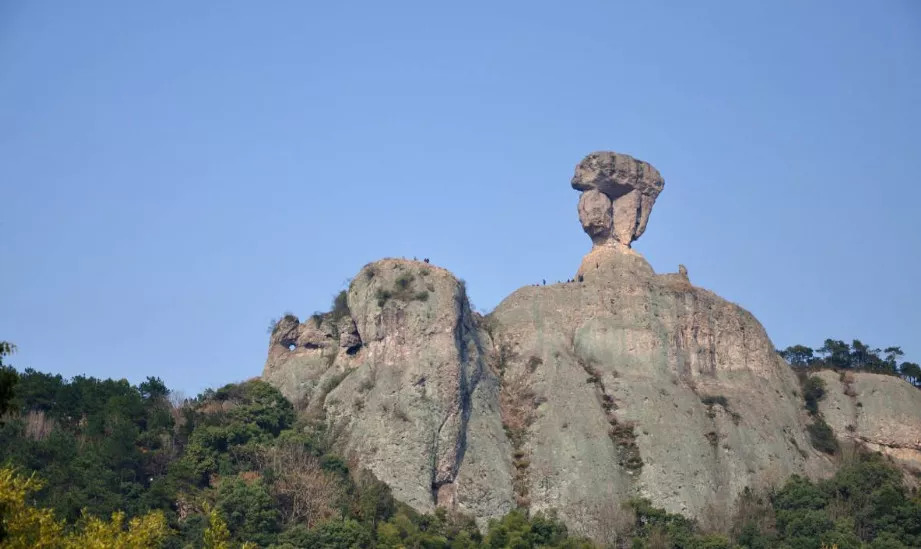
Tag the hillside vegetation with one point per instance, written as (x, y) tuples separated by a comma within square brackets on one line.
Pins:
[(89, 461), (856, 356)]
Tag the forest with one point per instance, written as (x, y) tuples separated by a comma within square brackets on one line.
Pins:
[(858, 356), (88, 462)]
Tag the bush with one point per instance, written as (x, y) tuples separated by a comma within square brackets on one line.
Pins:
[(813, 392), (404, 281), (715, 399), (822, 437), (382, 296), (249, 511), (340, 306)]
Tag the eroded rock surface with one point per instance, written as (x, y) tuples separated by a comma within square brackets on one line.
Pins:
[(414, 401), (879, 412), (618, 194), (571, 396), (641, 384)]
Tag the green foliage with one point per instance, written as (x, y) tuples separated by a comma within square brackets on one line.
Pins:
[(837, 354), (403, 281), (402, 290), (798, 355), (822, 436), (220, 470), (8, 378), (217, 535), (715, 399), (813, 392), (912, 372), (249, 510), (345, 534), (340, 306)]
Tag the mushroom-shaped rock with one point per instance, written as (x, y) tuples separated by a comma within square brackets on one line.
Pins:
[(618, 194)]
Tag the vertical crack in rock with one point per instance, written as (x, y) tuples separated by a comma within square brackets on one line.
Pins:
[(447, 460)]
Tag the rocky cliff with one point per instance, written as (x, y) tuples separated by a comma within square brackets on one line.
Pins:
[(571, 396), (879, 412)]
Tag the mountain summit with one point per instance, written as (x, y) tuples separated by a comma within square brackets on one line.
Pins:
[(570, 396)]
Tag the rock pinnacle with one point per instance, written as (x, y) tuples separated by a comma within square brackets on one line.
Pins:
[(618, 192)]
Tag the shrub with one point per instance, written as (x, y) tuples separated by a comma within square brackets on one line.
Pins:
[(715, 399), (404, 281), (822, 437), (382, 296), (813, 392), (340, 306), (249, 511)]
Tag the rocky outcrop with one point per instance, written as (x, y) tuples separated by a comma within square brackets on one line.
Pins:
[(647, 386), (414, 401), (880, 412), (571, 396), (618, 194)]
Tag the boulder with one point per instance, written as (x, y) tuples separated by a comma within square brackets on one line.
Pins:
[(631, 187)]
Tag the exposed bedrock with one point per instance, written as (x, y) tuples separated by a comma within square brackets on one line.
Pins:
[(570, 396)]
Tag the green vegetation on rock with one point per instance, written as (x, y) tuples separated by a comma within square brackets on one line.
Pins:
[(233, 466)]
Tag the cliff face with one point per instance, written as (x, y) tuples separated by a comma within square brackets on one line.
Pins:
[(645, 385), (414, 398), (571, 396), (879, 412)]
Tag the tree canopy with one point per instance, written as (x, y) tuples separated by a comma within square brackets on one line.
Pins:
[(857, 356)]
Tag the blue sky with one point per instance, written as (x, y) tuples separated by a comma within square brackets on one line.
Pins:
[(175, 174)]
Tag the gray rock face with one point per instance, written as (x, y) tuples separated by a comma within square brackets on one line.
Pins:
[(415, 403), (879, 412), (570, 396), (566, 397), (646, 385), (630, 187)]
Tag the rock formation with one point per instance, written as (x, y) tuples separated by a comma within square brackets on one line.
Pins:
[(570, 396), (618, 193), (879, 412)]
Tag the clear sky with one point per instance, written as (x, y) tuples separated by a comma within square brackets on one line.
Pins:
[(175, 174)]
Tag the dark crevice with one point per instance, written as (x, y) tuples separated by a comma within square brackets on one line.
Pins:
[(463, 331)]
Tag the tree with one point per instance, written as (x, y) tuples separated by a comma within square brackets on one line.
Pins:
[(24, 526), (216, 536), (153, 389), (6, 348), (892, 356), (813, 392), (250, 511), (860, 354), (8, 378), (912, 371), (836, 353), (308, 494), (798, 355)]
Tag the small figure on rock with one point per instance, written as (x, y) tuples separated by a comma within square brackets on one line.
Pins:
[(683, 271)]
